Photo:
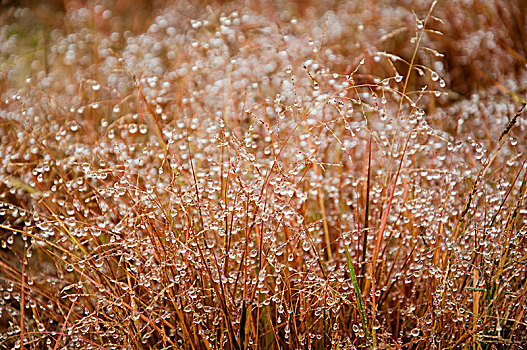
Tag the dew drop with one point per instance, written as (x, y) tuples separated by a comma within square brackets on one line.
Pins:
[(132, 128), (415, 332)]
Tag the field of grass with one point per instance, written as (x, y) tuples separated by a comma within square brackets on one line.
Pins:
[(314, 174)]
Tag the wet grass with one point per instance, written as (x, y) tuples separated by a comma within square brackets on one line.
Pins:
[(336, 175)]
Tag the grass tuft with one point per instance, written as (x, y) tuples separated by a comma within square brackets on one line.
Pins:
[(263, 175)]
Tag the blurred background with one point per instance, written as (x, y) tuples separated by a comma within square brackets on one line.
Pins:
[(483, 42)]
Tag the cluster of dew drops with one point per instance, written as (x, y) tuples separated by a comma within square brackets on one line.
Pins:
[(161, 181)]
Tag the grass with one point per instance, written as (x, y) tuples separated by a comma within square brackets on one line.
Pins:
[(263, 175)]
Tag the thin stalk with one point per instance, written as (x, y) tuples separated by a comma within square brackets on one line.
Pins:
[(22, 298), (366, 219), (358, 296), (412, 61), (387, 211)]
